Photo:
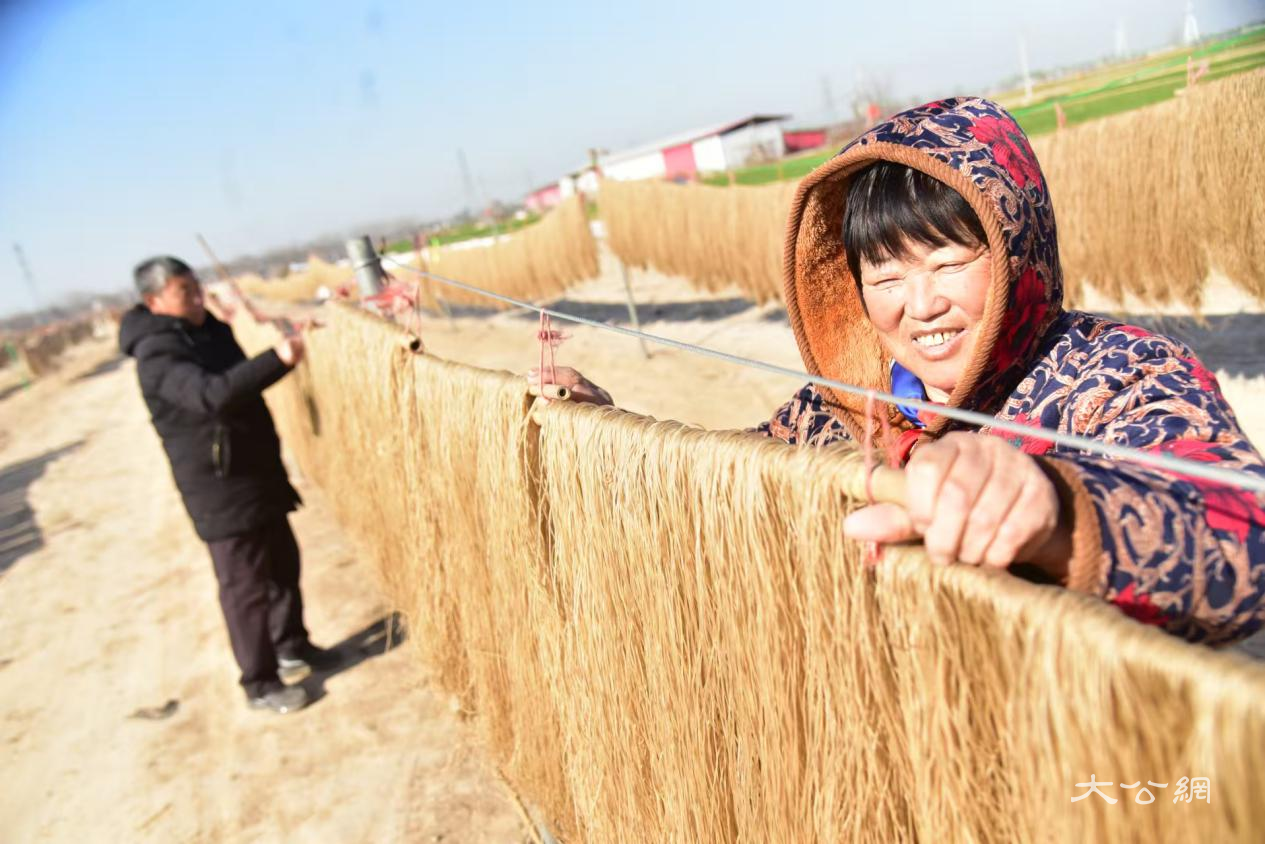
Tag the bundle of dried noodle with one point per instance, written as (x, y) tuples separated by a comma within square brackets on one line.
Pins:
[(665, 636)]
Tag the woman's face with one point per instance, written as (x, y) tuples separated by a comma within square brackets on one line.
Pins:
[(926, 309)]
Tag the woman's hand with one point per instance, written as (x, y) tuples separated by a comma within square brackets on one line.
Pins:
[(582, 389), (975, 499)]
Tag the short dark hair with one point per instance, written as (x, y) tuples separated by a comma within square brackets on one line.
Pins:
[(153, 274), (890, 205)]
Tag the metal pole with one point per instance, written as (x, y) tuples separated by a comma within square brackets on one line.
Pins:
[(26, 275), (364, 260), (632, 308)]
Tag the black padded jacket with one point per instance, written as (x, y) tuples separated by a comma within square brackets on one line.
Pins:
[(205, 399)]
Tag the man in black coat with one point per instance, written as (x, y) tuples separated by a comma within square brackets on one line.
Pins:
[(205, 399)]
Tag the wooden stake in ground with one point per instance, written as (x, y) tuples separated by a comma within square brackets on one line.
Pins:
[(632, 308)]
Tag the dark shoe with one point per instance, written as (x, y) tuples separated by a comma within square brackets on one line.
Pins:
[(281, 700), (290, 669), (305, 660)]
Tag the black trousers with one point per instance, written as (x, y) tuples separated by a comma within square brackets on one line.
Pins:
[(258, 573)]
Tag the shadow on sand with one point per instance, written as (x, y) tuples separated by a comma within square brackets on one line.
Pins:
[(19, 533), (383, 635), (616, 313), (13, 388), (103, 368), (681, 311)]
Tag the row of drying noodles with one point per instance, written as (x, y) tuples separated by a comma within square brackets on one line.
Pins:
[(539, 261), (664, 636), (39, 351), (713, 236), (536, 262), (1148, 202), (318, 279)]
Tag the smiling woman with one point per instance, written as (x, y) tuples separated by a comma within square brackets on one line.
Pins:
[(923, 261), (949, 263)]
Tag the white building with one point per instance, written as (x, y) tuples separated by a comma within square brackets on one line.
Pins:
[(680, 157), (709, 149)]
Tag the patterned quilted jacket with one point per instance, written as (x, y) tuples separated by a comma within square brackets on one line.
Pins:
[(1167, 549)]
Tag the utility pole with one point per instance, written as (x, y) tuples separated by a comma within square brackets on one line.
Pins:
[(1023, 64), (26, 275), (828, 100), (466, 181), (1190, 29)]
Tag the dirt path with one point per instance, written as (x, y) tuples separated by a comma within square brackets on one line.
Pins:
[(108, 610)]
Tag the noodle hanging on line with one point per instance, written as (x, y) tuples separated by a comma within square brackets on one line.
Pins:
[(664, 635)]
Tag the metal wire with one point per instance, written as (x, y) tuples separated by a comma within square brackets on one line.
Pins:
[(1158, 460)]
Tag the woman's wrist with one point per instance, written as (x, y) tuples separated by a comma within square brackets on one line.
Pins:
[(1053, 556)]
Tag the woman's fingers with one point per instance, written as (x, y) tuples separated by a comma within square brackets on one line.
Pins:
[(537, 410), (992, 509), (591, 393), (879, 523), (943, 484), (563, 375), (579, 388), (972, 499), (959, 491), (926, 471), (1029, 524)]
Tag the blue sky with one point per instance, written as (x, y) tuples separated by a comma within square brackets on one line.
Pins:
[(126, 127)]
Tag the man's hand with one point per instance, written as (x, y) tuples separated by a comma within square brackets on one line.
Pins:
[(290, 350), (975, 499)]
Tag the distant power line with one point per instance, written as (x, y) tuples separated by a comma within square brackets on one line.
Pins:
[(26, 274)]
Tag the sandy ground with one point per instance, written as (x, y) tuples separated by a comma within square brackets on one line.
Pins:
[(108, 607), (108, 611)]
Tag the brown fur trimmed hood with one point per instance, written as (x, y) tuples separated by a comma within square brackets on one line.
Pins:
[(977, 148)]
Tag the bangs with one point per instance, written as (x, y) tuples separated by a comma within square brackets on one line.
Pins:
[(891, 206)]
